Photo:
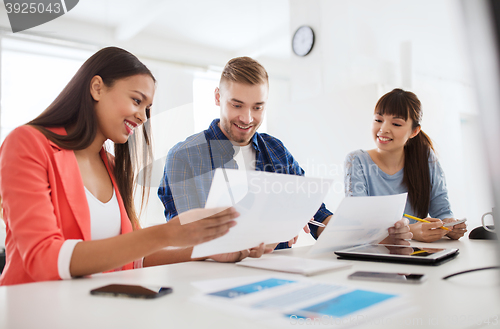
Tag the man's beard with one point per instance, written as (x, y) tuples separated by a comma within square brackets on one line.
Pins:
[(233, 138)]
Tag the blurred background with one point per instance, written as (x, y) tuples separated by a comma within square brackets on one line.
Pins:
[(320, 105)]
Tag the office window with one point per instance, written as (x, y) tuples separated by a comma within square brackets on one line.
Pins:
[(204, 107), (32, 75)]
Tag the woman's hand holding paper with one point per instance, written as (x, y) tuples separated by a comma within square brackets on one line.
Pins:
[(399, 234)]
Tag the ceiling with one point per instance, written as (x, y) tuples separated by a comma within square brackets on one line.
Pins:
[(251, 27)]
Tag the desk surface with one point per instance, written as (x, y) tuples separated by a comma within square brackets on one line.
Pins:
[(465, 301)]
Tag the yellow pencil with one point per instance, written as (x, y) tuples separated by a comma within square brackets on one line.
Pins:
[(423, 220), (418, 252)]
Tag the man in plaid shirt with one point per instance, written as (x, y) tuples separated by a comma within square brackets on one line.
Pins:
[(230, 142)]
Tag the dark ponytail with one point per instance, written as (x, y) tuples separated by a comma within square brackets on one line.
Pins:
[(416, 175)]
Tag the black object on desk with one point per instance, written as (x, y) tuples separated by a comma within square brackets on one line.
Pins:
[(2, 260), (481, 234)]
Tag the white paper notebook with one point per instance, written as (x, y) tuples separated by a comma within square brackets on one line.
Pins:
[(297, 265)]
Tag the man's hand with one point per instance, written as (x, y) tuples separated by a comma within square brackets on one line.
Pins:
[(254, 252), (237, 256), (325, 222), (269, 248)]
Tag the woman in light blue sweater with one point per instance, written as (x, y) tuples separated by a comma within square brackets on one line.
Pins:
[(403, 161)]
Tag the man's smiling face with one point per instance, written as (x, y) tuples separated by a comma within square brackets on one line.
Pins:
[(241, 109)]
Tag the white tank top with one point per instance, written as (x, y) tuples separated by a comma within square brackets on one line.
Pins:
[(105, 219), (105, 222)]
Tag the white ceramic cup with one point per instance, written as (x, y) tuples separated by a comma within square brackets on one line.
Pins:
[(484, 225)]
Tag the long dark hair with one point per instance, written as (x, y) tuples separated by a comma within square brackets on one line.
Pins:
[(416, 176), (74, 108)]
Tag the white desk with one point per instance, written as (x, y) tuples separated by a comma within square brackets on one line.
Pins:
[(459, 302)]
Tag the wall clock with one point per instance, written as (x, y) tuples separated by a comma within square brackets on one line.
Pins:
[(303, 41)]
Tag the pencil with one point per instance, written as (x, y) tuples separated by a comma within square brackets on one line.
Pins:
[(423, 221)]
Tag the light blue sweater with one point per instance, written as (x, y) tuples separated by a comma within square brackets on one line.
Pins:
[(362, 177)]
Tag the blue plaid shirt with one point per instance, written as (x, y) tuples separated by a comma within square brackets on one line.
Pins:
[(191, 165)]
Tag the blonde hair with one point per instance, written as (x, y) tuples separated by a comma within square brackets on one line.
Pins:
[(244, 70)]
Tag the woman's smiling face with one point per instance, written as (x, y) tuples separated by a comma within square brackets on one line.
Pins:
[(122, 107), (391, 133)]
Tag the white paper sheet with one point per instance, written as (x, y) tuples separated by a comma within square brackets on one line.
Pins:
[(297, 265), (360, 220), (273, 207)]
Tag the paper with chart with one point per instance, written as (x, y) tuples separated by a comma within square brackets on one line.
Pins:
[(360, 220), (278, 301), (273, 207)]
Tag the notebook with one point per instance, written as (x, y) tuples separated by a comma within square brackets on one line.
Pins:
[(296, 265)]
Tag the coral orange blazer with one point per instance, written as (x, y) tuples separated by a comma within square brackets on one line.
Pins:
[(44, 204)]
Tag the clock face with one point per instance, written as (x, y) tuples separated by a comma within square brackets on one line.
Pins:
[(303, 41)]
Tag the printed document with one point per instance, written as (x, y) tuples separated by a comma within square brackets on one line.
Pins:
[(360, 220), (273, 207)]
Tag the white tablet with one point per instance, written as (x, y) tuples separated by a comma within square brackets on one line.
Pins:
[(399, 254)]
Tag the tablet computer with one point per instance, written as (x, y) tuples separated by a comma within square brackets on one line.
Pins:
[(398, 254)]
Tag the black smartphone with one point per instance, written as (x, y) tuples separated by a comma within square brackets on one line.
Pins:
[(388, 277), (126, 290)]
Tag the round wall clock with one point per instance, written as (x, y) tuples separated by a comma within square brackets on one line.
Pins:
[(303, 41)]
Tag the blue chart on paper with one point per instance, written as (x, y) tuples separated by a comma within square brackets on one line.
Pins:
[(348, 303), (250, 288)]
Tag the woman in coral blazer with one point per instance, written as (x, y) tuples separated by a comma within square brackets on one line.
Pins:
[(43, 191), (47, 165)]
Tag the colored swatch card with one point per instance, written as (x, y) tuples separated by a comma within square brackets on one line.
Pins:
[(284, 301)]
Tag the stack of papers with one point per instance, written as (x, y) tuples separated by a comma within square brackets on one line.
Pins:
[(293, 264)]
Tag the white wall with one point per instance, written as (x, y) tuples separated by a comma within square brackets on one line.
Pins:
[(364, 49), (171, 121)]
